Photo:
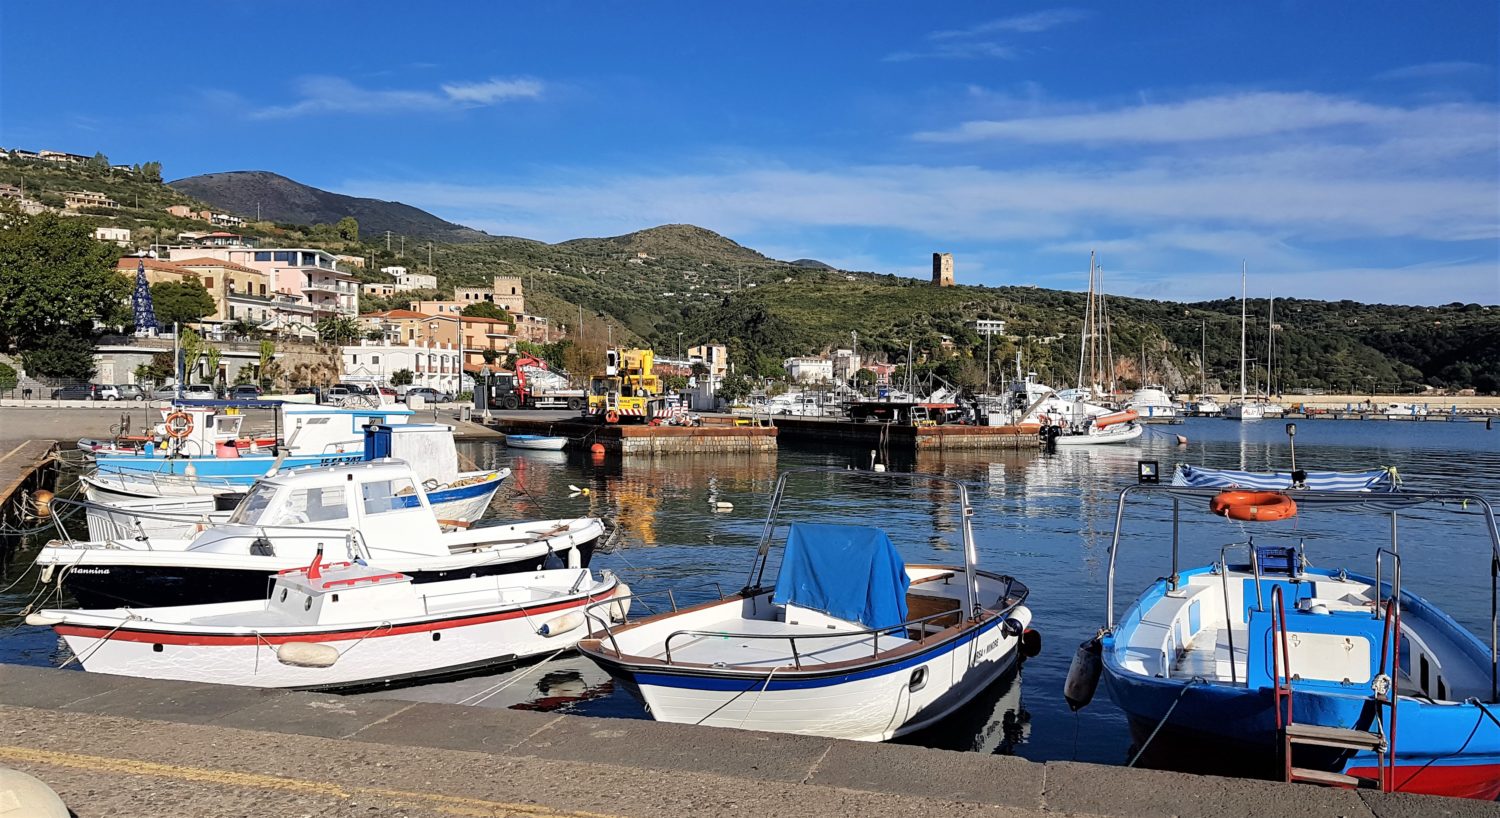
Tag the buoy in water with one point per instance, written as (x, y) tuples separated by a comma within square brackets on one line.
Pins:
[(306, 654), (1031, 643), (1083, 674), (561, 624), (43, 501), (1182, 440), (597, 450), (722, 505)]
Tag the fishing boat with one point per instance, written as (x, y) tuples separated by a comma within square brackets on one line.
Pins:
[(1152, 403), (205, 439), (1263, 663), (460, 496), (376, 511), (550, 443), (340, 626), (850, 642)]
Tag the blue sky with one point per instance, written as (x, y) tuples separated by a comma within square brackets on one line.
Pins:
[(1343, 149)]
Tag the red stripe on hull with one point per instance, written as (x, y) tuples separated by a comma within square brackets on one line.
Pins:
[(1480, 781), (124, 635)]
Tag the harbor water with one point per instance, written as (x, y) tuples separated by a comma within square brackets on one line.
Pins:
[(1045, 518)]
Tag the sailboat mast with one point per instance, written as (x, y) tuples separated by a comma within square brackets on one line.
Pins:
[(1083, 334), (1108, 350), (1271, 349), (1203, 362), (1244, 316)]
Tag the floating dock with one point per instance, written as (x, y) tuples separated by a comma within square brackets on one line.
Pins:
[(890, 436), (715, 436)]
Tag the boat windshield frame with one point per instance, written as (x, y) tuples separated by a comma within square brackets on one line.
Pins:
[(754, 583), (1380, 502)]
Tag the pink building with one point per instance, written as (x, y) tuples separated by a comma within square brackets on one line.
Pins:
[(309, 276)]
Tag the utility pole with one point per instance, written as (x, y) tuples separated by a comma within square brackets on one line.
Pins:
[(429, 258), (387, 241), (402, 253)]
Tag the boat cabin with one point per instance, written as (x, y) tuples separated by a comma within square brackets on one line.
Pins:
[(340, 593)]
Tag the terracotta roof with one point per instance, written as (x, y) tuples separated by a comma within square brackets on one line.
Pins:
[(129, 265), (215, 262), (395, 314)]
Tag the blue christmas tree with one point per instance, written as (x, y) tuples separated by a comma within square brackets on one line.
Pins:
[(145, 313)]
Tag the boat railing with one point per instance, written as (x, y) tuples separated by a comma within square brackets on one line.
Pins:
[(354, 537), (624, 602), (1395, 599), (919, 624)]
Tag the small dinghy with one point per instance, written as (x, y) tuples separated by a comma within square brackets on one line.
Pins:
[(549, 443), (1266, 665), (849, 643), (338, 626)]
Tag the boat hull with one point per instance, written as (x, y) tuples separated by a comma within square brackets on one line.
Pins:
[(1124, 435), (873, 703), (371, 654), (538, 442), (154, 586)]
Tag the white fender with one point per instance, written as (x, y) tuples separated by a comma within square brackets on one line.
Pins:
[(561, 624), (306, 654), (621, 607), (44, 619), (47, 572)]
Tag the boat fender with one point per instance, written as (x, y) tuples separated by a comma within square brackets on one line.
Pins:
[(561, 624), (43, 619), (621, 608), (1012, 627), (1083, 674), (47, 573), (1031, 643), (306, 654)]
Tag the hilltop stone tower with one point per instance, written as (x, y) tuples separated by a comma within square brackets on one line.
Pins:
[(510, 294), (942, 269)]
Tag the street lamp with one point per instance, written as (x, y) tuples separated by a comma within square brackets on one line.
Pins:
[(679, 345)]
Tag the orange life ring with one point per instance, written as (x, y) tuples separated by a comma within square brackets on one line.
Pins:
[(179, 425), (1258, 506), (1046, 421), (611, 416)]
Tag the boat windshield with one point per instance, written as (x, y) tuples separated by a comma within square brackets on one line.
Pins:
[(253, 507)]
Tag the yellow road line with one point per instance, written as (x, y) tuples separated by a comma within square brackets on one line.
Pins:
[(449, 804)]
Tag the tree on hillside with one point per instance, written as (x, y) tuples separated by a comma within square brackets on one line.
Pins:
[(486, 309), (182, 302), (150, 171), (348, 229), (99, 162), (55, 283), (8, 377)]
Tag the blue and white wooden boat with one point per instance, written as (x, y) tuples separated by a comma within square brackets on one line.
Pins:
[(849, 643), (211, 446), (1312, 674), (550, 443)]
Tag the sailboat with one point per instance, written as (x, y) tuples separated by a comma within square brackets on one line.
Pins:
[(1244, 408)]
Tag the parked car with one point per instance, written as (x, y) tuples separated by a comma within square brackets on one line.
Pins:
[(130, 391), (428, 394), (77, 391), (167, 392), (387, 394), (199, 391), (337, 393), (315, 391), (245, 391)]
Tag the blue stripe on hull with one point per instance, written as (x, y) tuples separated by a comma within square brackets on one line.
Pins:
[(733, 683), (239, 470)]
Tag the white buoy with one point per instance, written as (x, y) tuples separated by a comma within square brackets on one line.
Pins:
[(561, 624), (28, 796), (306, 654), (42, 619), (722, 505), (879, 467)]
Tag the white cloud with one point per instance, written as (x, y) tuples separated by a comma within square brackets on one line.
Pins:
[(1225, 117), (492, 91), (1432, 70), (1019, 24), (978, 41), (335, 95)]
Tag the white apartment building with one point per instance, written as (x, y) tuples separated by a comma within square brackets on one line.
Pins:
[(809, 370), (434, 365)]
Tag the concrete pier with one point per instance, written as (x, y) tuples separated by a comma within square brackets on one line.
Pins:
[(112, 745)]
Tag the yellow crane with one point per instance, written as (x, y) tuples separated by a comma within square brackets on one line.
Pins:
[(627, 391)]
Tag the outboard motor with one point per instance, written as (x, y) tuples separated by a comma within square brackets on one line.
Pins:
[(1049, 437)]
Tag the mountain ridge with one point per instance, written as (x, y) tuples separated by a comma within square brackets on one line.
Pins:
[(273, 197)]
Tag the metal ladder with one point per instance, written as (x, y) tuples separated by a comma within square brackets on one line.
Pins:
[(1381, 742)]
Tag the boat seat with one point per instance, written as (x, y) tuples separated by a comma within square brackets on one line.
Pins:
[(920, 605)]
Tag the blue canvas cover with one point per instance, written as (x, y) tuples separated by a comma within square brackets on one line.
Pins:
[(1374, 480), (846, 571)]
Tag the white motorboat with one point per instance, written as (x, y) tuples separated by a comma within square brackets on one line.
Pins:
[(849, 642), (549, 443), (1117, 427), (374, 510), (1404, 410), (338, 626), (1152, 402)]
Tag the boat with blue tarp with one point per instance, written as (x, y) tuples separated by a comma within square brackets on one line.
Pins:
[(849, 642)]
